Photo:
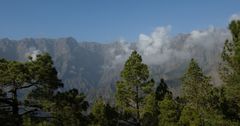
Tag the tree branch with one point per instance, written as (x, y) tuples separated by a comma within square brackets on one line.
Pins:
[(28, 86), (30, 111)]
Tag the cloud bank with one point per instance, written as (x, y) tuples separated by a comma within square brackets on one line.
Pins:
[(160, 47)]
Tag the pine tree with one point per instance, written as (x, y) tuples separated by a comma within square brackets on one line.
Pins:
[(195, 85), (39, 77), (230, 72), (133, 87), (152, 116), (196, 90), (161, 90)]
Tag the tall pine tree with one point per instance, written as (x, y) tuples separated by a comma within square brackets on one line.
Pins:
[(38, 77), (230, 72), (196, 90), (132, 89)]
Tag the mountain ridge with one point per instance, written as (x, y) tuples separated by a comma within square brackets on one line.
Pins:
[(94, 68)]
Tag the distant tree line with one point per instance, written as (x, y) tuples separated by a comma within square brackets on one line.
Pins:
[(30, 95)]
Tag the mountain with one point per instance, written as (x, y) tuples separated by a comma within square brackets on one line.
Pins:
[(94, 68)]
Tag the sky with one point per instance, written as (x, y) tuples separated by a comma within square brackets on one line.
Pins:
[(110, 20)]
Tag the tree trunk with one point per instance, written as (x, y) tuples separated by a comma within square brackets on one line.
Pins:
[(15, 109), (137, 105)]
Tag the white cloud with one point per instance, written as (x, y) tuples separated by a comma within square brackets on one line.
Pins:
[(160, 48), (33, 52), (207, 38), (156, 49), (235, 17), (152, 44)]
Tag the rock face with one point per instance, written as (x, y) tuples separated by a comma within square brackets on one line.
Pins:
[(94, 67)]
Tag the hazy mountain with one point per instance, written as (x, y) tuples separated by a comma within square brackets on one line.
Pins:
[(94, 67)]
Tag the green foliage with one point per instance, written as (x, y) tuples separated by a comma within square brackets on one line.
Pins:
[(162, 90), (43, 73), (189, 116), (200, 98), (98, 111), (169, 111), (133, 87), (195, 85), (68, 108), (39, 77), (103, 114), (230, 72), (150, 110)]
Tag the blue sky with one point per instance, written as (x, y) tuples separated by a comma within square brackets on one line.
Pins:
[(109, 20)]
